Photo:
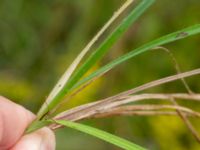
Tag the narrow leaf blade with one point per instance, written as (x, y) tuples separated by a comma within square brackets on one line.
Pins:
[(122, 143), (97, 55), (158, 42), (66, 76), (109, 41)]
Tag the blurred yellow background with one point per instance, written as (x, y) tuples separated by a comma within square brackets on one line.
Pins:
[(39, 39)]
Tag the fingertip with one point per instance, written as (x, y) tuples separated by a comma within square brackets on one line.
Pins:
[(42, 139), (13, 121)]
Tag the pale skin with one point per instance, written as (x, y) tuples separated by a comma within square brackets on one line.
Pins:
[(14, 120)]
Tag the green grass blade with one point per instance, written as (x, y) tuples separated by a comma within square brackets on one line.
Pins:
[(98, 54), (66, 76), (108, 43), (122, 143), (158, 42)]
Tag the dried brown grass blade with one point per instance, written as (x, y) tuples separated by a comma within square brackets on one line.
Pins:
[(182, 115), (174, 61), (176, 66), (149, 108), (137, 113), (88, 110), (110, 100), (186, 121)]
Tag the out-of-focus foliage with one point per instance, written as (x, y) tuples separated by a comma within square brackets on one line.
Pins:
[(39, 39)]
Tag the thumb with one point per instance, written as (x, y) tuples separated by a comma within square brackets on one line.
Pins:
[(42, 139)]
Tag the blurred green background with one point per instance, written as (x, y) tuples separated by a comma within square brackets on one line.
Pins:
[(39, 39)]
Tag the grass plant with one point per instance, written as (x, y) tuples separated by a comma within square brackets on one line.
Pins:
[(74, 80)]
